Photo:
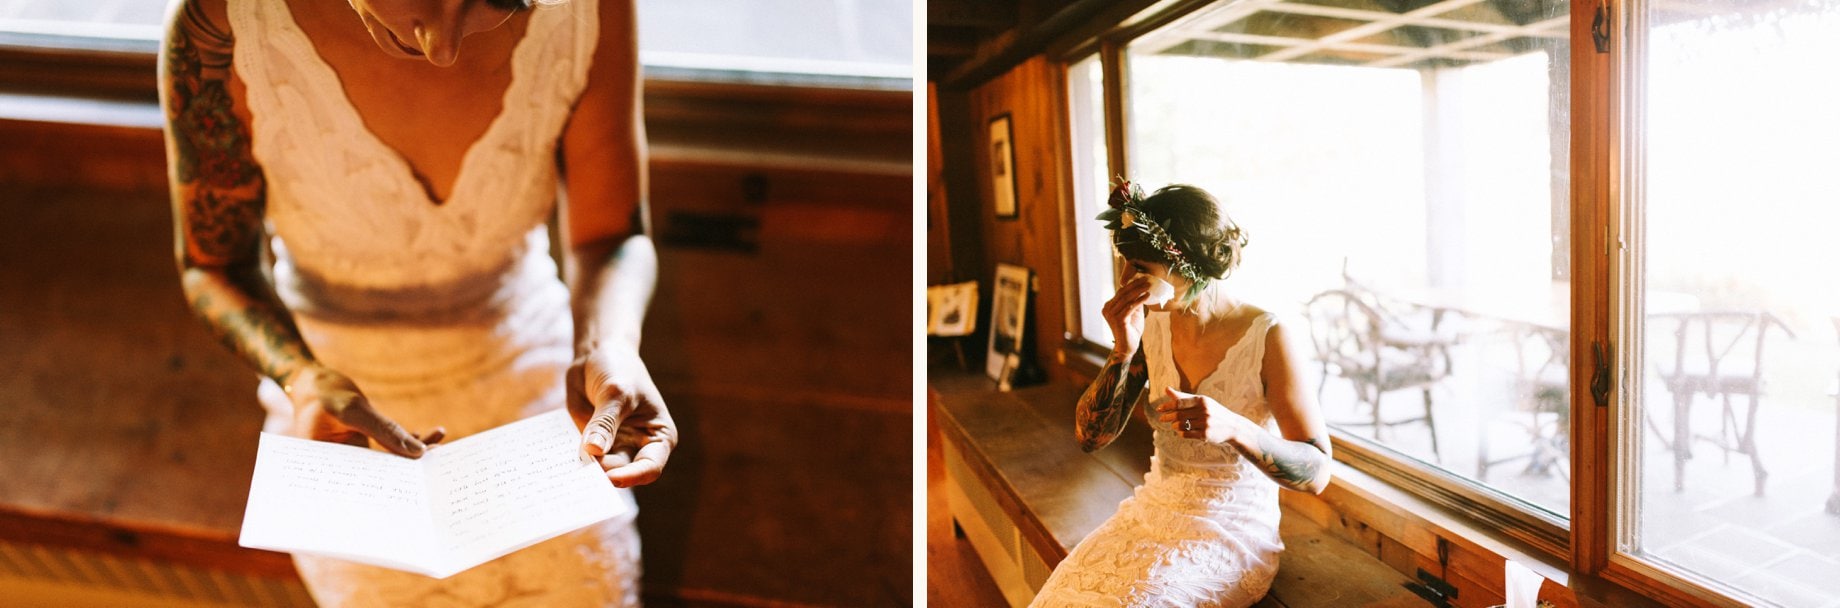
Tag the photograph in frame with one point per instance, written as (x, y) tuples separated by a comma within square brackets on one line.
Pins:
[(1003, 167), (952, 309), (1009, 305)]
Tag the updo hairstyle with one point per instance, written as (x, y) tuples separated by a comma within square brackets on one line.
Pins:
[(1209, 240)]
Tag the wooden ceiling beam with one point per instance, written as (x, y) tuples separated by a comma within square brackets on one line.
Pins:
[(1359, 47), (1559, 23), (1201, 21), (1369, 29), (981, 14), (1030, 37)]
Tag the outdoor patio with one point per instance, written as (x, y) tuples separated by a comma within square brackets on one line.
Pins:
[(1783, 546)]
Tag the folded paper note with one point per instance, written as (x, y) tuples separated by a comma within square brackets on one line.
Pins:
[(462, 504)]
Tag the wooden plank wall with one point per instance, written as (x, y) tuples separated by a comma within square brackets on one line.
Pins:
[(1031, 94), (782, 348)]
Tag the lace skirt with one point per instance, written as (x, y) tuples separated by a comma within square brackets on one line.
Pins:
[(1180, 540), (468, 377)]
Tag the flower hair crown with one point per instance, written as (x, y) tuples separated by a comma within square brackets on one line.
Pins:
[(1126, 212)]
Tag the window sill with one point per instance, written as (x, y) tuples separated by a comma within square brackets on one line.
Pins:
[(1382, 517)]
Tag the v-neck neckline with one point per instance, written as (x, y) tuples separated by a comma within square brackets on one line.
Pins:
[(1169, 328), (407, 169)]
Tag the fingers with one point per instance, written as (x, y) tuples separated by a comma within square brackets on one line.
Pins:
[(434, 436), (597, 433), (579, 407), (645, 467), (615, 460), (1178, 400), (384, 431), (1133, 293), (1187, 412)]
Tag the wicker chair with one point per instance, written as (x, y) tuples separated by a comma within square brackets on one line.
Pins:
[(1541, 392), (1354, 341), (1720, 355)]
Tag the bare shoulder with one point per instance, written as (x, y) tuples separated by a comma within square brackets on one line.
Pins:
[(1245, 314)]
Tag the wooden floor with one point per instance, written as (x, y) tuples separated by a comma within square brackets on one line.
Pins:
[(954, 576)]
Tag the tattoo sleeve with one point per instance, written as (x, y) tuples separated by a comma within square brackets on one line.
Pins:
[(1105, 407), (1298, 465), (218, 198)]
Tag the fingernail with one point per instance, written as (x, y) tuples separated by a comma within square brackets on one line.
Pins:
[(598, 438)]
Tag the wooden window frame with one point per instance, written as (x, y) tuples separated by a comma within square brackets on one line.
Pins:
[(1605, 187), (1487, 506)]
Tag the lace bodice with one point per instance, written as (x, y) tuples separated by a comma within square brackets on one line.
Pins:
[(1235, 383), (1203, 528), (330, 178)]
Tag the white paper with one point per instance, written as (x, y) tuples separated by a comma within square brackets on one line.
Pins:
[(1522, 585), (460, 505), (1160, 292)]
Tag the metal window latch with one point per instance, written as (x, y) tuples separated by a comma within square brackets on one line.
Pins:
[(1600, 375), (1433, 589), (1600, 27)]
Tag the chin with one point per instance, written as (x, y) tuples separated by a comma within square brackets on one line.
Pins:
[(388, 43)]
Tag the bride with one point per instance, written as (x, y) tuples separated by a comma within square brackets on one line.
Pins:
[(361, 213), (1232, 422)]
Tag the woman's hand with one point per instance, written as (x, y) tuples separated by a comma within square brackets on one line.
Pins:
[(622, 418), (329, 407), (1201, 417), (1125, 314)]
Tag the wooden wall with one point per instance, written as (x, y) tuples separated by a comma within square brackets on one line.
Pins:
[(779, 336), (1031, 95)]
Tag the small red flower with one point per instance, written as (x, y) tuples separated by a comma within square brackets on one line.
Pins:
[(1120, 196)]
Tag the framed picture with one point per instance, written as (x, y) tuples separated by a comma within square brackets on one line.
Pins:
[(952, 309), (1009, 302), (1003, 167)]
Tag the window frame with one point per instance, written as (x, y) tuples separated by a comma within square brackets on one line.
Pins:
[(1606, 171), (1516, 518), (1621, 78)]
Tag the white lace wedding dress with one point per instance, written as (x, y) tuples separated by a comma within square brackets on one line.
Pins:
[(446, 314), (1203, 529)]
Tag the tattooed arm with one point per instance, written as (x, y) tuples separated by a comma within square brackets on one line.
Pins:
[(218, 200), (1298, 459), (217, 195), (1106, 405)]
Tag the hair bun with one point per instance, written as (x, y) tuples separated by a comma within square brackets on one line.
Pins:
[(1193, 219)]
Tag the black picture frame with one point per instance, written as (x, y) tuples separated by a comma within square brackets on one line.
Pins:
[(1002, 145)]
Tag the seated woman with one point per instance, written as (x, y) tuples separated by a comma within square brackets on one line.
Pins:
[(1232, 421)]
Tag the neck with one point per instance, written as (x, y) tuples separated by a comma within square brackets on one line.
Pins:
[(1206, 306)]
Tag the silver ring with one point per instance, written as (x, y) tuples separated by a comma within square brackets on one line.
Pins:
[(1188, 425)]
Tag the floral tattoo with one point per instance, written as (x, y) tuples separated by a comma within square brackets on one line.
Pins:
[(1105, 407)]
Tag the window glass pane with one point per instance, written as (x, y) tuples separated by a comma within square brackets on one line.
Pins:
[(1735, 428), (111, 19), (830, 37), (1085, 102), (1403, 180), (850, 38)]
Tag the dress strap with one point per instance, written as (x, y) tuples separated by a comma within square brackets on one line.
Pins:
[(1257, 332)]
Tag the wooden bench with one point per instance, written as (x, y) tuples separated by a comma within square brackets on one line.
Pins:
[(1021, 491)]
